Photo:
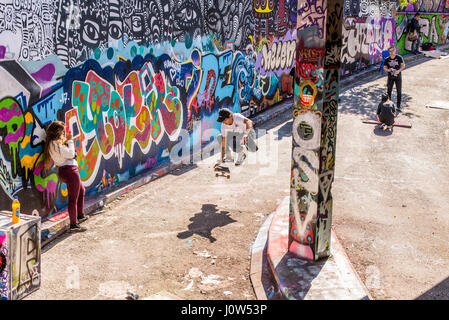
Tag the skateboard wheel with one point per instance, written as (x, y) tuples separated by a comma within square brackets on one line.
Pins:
[(216, 174), (228, 177)]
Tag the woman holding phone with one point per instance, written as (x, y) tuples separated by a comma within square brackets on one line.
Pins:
[(61, 149)]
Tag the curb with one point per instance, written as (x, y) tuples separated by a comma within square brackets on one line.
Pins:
[(59, 223), (258, 262)]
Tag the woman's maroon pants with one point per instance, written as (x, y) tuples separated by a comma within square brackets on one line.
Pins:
[(71, 177)]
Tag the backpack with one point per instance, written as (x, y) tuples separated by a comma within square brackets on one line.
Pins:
[(427, 46), (412, 36)]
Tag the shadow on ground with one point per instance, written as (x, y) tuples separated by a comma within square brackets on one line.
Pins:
[(381, 132), (267, 279), (56, 240), (364, 101), (205, 221), (183, 169), (438, 292), (298, 274), (285, 130)]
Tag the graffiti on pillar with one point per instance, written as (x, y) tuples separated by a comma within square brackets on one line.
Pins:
[(312, 14), (314, 133)]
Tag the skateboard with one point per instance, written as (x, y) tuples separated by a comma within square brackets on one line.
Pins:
[(222, 171), (396, 124), (444, 107)]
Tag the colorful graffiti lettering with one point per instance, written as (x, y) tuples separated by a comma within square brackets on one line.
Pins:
[(364, 42), (126, 94)]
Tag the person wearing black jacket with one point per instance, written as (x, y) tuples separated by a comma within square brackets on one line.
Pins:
[(412, 26), (386, 112)]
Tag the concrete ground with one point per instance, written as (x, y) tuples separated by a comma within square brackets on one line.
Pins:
[(188, 235), (391, 191)]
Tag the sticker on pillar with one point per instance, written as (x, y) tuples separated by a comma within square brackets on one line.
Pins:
[(308, 132), (307, 93)]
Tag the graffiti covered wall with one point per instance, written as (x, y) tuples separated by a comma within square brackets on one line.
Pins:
[(127, 77), (368, 29), (275, 38), (434, 22)]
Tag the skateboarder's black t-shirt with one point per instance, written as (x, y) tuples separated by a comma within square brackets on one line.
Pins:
[(394, 64), (386, 111)]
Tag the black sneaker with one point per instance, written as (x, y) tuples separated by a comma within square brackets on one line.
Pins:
[(82, 219), (77, 228)]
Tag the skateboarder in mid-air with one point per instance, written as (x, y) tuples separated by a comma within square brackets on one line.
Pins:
[(386, 112), (237, 134)]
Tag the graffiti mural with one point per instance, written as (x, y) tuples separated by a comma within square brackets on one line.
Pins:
[(314, 128), (363, 42), (83, 26), (274, 59), (434, 29), (27, 28), (274, 18), (127, 77), (123, 115), (368, 29), (431, 6)]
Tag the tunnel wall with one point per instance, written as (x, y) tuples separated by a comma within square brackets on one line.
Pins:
[(368, 29), (129, 78), (434, 21)]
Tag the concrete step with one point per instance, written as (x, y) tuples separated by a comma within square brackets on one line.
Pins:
[(333, 278)]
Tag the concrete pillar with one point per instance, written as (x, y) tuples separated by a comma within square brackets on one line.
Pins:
[(317, 79)]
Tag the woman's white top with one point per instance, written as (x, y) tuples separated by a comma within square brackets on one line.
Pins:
[(63, 155)]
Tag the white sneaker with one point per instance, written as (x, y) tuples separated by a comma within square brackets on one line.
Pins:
[(241, 158)]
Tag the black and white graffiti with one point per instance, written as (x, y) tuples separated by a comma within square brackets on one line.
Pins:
[(369, 8), (83, 25), (28, 28)]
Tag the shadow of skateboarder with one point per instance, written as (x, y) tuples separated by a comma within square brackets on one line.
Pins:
[(204, 222)]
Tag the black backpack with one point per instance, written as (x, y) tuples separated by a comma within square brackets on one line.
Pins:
[(426, 46)]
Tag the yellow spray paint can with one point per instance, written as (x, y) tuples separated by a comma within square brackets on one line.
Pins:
[(15, 211)]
